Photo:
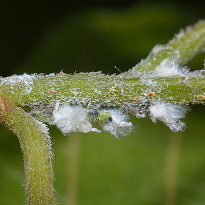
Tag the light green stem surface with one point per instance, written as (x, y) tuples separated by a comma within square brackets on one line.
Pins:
[(110, 90), (37, 153)]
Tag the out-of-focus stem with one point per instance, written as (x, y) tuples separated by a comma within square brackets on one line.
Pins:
[(172, 167), (73, 170)]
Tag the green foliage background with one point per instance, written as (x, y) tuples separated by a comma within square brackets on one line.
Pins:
[(107, 170)]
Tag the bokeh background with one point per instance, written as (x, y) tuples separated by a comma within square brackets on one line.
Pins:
[(152, 166)]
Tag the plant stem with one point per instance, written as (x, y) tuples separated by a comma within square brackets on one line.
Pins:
[(183, 48), (111, 90), (36, 148)]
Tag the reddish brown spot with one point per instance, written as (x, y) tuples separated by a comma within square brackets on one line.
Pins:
[(51, 92), (201, 97), (5, 104), (151, 94), (137, 99)]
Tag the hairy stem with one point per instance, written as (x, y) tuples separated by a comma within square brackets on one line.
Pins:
[(183, 47), (36, 148), (110, 90)]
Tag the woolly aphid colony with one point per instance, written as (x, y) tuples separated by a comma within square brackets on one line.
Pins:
[(72, 113), (115, 121), (77, 118)]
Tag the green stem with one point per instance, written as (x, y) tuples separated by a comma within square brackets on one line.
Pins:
[(182, 48), (36, 148), (111, 90)]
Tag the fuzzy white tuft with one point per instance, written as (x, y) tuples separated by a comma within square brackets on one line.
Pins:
[(169, 68), (25, 79), (71, 119), (156, 49), (170, 114), (119, 125)]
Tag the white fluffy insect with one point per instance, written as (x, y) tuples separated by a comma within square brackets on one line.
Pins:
[(71, 119), (170, 114), (118, 126), (169, 68)]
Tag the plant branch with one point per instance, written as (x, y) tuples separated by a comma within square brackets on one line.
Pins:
[(111, 90), (36, 148), (183, 48)]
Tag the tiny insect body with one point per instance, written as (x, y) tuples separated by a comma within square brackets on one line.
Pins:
[(101, 116)]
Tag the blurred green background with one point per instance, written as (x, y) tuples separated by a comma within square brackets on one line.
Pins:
[(152, 166)]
